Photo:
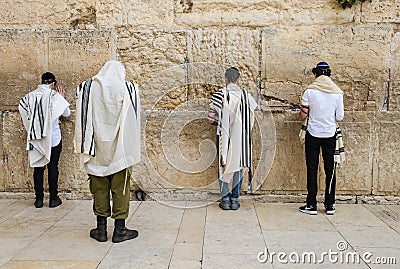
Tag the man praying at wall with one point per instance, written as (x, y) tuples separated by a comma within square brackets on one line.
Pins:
[(40, 112), (232, 109), (107, 137), (322, 106)]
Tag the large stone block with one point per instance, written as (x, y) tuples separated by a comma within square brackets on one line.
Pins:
[(258, 13), (382, 11), (17, 173), (22, 64), (222, 49), (354, 176), (74, 56), (155, 60), (147, 14), (386, 154), (394, 89), (2, 183), (288, 173), (290, 54), (29, 14)]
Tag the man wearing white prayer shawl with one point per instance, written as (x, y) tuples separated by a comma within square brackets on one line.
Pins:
[(107, 137), (40, 112), (232, 109)]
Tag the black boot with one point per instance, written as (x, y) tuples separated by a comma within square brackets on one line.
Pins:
[(121, 233), (100, 233)]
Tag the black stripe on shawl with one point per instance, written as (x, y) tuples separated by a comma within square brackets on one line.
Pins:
[(246, 156), (217, 99), (41, 117), (32, 133), (131, 88), (23, 104), (85, 102)]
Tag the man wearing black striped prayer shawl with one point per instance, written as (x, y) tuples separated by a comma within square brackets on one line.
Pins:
[(322, 104), (107, 137), (232, 109), (40, 112)]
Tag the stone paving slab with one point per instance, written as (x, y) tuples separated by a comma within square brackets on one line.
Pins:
[(190, 235)]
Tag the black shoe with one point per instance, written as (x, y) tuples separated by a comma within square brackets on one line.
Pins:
[(235, 205), (38, 202), (100, 233), (56, 202), (225, 205), (309, 209), (121, 233), (329, 209)]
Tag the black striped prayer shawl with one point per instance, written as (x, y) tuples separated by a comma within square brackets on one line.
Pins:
[(87, 133), (217, 101)]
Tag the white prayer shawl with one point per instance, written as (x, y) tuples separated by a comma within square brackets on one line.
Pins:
[(236, 122), (107, 126), (39, 109)]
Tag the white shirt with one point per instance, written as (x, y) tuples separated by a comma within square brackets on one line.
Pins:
[(324, 110), (56, 132)]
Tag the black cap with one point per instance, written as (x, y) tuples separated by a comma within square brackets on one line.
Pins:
[(48, 78)]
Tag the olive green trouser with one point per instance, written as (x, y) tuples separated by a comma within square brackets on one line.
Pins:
[(100, 187)]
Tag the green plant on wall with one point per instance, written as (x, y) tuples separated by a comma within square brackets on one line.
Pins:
[(350, 3)]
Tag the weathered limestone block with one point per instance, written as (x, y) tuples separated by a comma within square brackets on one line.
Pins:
[(180, 149), (71, 56), (354, 176), (17, 173), (155, 60), (258, 13), (288, 173), (379, 11), (179, 153), (222, 49), (394, 89), (360, 69), (74, 56), (21, 62), (147, 14), (386, 172), (29, 14), (2, 183)]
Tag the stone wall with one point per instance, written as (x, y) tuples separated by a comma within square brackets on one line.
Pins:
[(177, 52)]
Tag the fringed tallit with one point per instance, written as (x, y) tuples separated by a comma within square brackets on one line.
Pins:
[(39, 109), (107, 126), (235, 108)]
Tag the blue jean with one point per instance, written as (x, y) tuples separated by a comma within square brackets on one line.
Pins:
[(236, 186)]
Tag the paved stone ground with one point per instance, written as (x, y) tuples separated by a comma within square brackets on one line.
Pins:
[(186, 236)]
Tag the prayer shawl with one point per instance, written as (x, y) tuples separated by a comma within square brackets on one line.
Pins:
[(39, 109), (235, 108), (107, 126), (325, 84)]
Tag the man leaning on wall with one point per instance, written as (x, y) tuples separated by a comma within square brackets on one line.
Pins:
[(40, 112), (107, 137)]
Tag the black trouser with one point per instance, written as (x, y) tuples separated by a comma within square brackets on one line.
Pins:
[(52, 167), (312, 148)]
